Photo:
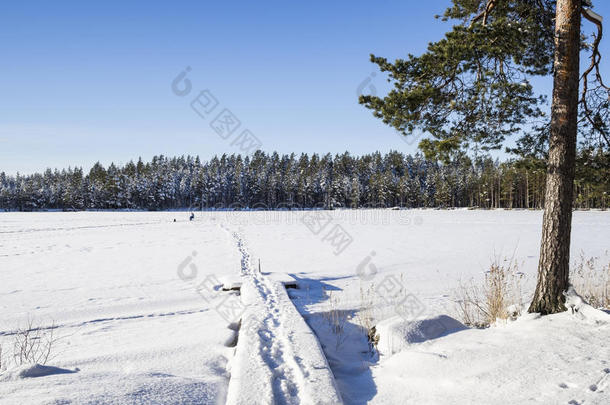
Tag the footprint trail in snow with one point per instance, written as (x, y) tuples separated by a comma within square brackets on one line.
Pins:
[(278, 359)]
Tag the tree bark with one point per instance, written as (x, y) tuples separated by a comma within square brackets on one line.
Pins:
[(527, 190), (553, 267)]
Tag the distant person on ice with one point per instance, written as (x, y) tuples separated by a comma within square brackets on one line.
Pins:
[(192, 216)]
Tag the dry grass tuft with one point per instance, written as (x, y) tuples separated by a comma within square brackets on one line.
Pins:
[(337, 320), (366, 316), (591, 280), (498, 298)]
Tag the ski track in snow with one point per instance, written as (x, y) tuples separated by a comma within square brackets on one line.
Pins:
[(75, 228), (111, 319), (289, 376)]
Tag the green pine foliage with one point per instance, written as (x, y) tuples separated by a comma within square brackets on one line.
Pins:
[(472, 89)]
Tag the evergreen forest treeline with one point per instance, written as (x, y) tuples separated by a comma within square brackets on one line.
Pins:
[(271, 181)]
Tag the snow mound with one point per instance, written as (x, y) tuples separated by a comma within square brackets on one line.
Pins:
[(33, 371), (583, 311), (396, 333), (231, 281), (553, 359), (593, 315)]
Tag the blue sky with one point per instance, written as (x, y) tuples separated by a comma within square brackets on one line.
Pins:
[(83, 82)]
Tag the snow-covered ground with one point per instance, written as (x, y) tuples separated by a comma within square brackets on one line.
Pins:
[(558, 359), (136, 300), (136, 330)]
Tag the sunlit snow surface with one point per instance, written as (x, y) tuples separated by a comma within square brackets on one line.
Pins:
[(138, 333)]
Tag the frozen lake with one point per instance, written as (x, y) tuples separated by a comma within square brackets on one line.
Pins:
[(139, 332)]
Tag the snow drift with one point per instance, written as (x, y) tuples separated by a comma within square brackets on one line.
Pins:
[(397, 333)]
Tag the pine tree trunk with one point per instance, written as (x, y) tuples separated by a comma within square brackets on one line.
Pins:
[(553, 267), (527, 190)]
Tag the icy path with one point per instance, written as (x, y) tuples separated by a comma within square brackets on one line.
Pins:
[(278, 359)]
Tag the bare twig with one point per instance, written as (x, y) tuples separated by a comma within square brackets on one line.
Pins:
[(33, 344)]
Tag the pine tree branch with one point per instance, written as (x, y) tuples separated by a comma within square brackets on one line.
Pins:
[(589, 115), (484, 14)]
